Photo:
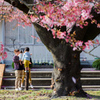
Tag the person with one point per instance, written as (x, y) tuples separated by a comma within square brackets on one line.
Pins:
[(29, 68), (20, 56), (26, 58), (18, 70), (30, 81), (20, 60), (22, 65)]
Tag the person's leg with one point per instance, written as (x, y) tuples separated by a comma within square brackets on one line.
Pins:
[(30, 81), (16, 80), (19, 79), (26, 64), (23, 76), (26, 68), (29, 76)]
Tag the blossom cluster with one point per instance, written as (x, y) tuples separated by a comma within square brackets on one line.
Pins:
[(86, 45), (2, 53)]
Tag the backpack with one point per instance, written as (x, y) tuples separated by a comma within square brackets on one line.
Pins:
[(16, 59)]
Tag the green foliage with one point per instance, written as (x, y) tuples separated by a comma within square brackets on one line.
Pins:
[(12, 65), (96, 64)]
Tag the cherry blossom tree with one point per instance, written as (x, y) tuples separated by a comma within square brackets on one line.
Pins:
[(66, 28), (3, 54)]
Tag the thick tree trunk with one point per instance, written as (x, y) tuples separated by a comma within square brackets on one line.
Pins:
[(66, 75), (66, 64)]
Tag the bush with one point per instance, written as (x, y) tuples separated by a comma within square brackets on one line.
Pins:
[(96, 64)]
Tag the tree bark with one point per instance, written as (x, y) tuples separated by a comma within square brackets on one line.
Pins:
[(66, 64), (17, 4), (66, 75)]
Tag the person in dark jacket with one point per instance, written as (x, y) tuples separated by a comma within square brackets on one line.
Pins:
[(18, 70)]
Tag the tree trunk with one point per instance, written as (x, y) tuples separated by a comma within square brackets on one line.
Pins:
[(66, 75)]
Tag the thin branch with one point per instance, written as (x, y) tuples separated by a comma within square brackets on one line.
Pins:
[(91, 54), (94, 48), (80, 49), (30, 7)]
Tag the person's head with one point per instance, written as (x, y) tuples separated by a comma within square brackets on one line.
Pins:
[(16, 51), (20, 51), (27, 49)]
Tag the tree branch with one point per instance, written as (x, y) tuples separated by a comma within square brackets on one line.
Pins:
[(91, 54), (46, 37), (88, 32), (94, 48), (20, 6)]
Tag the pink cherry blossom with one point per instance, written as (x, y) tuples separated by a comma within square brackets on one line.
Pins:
[(79, 43), (74, 48), (60, 13), (1, 1), (98, 25), (2, 53), (88, 44), (86, 23), (83, 47), (67, 40), (53, 33), (97, 41)]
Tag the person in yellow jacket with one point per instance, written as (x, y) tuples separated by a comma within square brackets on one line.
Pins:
[(30, 81), (26, 58)]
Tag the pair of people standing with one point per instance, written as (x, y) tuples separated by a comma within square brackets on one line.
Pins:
[(20, 68)]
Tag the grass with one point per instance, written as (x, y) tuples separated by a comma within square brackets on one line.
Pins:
[(41, 95)]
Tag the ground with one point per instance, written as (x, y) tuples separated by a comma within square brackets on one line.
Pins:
[(41, 95)]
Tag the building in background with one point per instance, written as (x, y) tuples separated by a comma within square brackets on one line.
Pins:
[(14, 37)]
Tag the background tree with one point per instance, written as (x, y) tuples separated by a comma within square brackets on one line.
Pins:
[(65, 28)]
